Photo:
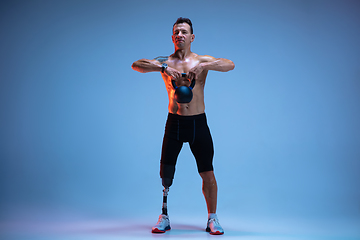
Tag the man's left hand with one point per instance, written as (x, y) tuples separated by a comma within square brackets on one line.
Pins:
[(195, 72)]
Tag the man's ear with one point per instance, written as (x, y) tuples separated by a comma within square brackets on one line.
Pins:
[(192, 37)]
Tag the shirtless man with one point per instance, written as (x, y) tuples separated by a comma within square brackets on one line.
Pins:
[(186, 121)]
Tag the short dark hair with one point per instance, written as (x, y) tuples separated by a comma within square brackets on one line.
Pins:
[(184, 20)]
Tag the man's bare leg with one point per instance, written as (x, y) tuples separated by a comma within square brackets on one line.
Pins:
[(209, 190), (210, 194)]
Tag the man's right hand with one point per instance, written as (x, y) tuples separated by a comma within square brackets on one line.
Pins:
[(172, 73)]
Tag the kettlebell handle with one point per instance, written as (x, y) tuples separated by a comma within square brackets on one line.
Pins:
[(192, 84)]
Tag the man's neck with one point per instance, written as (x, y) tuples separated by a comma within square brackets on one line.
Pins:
[(182, 53)]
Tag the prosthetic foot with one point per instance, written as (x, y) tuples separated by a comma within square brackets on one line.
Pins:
[(162, 225)]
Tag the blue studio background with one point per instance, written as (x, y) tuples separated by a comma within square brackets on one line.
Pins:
[(81, 132)]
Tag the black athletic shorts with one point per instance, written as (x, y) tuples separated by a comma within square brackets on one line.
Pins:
[(191, 129)]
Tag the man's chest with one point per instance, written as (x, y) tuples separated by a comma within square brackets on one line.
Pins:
[(183, 66)]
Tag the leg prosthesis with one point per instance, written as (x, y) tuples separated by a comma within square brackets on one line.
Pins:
[(167, 174), (163, 223)]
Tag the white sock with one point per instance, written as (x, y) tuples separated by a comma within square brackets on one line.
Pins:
[(212, 215)]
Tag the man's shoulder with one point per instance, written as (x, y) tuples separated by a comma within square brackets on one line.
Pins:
[(204, 58)]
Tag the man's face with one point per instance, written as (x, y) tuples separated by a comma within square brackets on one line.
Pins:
[(182, 36)]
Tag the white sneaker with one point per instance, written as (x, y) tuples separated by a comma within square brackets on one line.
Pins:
[(213, 227), (162, 225)]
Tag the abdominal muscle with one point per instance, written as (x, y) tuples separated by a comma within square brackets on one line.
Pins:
[(186, 109)]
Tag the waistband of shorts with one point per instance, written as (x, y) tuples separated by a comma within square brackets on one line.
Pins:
[(186, 117)]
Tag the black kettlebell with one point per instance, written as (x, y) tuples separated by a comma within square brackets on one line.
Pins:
[(183, 94)]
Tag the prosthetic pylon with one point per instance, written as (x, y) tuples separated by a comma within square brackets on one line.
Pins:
[(164, 206)]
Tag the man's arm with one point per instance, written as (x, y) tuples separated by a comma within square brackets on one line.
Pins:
[(146, 65), (210, 63), (216, 64)]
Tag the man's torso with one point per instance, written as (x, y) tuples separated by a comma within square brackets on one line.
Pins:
[(197, 105)]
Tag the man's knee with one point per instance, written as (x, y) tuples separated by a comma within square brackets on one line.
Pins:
[(208, 176)]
